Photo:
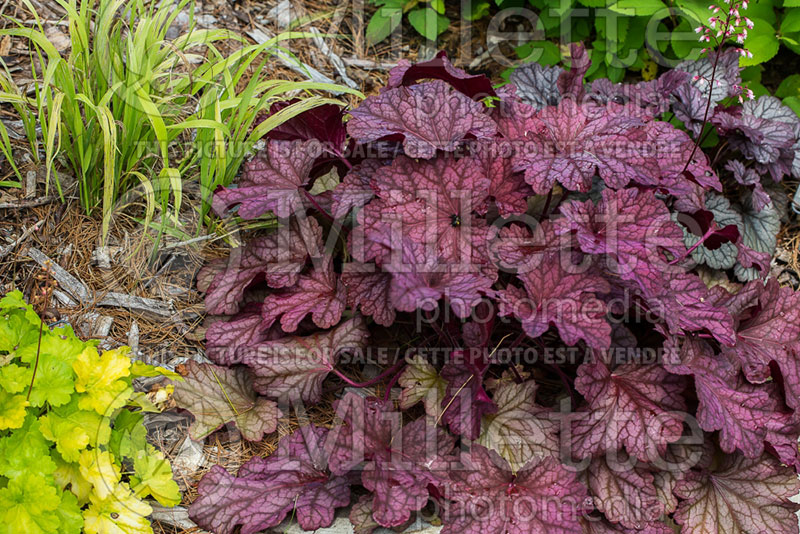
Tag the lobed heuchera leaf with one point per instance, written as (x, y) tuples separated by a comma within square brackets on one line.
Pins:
[(682, 301), (291, 480), (769, 330), (631, 226), (623, 491), (430, 116), (323, 123), (751, 179), (370, 293), (277, 258), (638, 407), (320, 293), (740, 411), (740, 496), (765, 132), (536, 84), (421, 383), (271, 181), (220, 395), (486, 496), (506, 186), (228, 338), (476, 86), (397, 462), (355, 190), (571, 143), (565, 300), (294, 367), (520, 429), (435, 203), (420, 280)]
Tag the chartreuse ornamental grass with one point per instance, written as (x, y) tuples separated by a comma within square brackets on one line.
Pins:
[(73, 450), (128, 108)]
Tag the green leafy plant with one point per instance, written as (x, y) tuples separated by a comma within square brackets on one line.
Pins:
[(73, 450), (639, 35), (125, 103), (425, 16)]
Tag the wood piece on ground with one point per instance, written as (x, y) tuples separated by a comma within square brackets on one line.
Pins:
[(4, 251), (368, 64), (30, 184), (142, 304), (177, 516), (95, 325), (189, 458), (334, 58), (63, 299), (285, 13), (133, 338), (78, 289), (41, 201), (66, 281), (101, 257)]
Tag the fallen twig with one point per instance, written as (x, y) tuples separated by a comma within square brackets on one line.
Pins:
[(82, 293), (28, 203), (4, 251), (367, 64), (334, 58), (66, 281)]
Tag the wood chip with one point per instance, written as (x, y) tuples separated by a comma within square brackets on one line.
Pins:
[(177, 517), (4, 251), (41, 201), (30, 184), (367, 64), (81, 293)]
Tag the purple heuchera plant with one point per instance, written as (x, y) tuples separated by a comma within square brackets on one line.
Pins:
[(527, 251)]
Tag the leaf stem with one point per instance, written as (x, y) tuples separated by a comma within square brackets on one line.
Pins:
[(371, 381), (36, 364), (711, 229), (391, 384), (703, 135), (311, 199)]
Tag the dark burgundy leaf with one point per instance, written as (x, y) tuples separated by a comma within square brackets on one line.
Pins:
[(486, 496), (271, 181), (294, 367), (475, 86), (638, 407), (291, 480), (395, 461), (320, 293)]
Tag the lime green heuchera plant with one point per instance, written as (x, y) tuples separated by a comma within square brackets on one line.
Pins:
[(73, 450)]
